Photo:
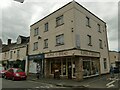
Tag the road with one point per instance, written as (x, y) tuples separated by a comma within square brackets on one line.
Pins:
[(25, 84)]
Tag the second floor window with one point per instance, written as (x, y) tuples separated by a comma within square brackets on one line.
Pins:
[(60, 39), (46, 27), (35, 46), (46, 43), (36, 31), (89, 40), (88, 21), (98, 27), (59, 20)]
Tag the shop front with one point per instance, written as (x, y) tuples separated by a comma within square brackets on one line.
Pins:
[(72, 64), (35, 63)]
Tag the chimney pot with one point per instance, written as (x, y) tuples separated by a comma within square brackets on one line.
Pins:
[(9, 41)]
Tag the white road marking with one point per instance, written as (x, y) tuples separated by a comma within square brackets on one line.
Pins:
[(110, 86), (110, 83)]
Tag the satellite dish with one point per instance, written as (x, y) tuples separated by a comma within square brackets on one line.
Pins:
[(21, 1)]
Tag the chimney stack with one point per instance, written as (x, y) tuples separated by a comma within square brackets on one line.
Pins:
[(9, 41)]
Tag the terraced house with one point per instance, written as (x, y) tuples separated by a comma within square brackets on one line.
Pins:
[(71, 41), (14, 54)]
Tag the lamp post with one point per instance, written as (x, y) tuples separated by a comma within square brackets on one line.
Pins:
[(21, 1)]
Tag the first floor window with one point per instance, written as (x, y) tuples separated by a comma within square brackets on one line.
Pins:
[(46, 43), (11, 54), (35, 46), (18, 53), (100, 43), (60, 39), (89, 40)]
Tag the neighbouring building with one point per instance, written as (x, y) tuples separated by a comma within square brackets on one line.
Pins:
[(114, 58), (71, 40), (14, 54)]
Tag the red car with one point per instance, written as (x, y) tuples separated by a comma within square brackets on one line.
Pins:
[(15, 74)]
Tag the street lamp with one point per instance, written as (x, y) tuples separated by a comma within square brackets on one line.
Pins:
[(21, 1)]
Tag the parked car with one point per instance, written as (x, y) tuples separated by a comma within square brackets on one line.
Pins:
[(15, 74), (116, 70), (2, 72)]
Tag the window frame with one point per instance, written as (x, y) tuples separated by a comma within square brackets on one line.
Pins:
[(89, 40), (100, 44), (99, 28), (46, 43), (35, 46), (36, 31), (58, 39), (105, 63), (46, 25), (59, 20), (88, 22)]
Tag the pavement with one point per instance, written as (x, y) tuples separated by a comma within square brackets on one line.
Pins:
[(93, 82)]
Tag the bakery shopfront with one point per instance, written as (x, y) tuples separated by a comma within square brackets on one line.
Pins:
[(72, 64)]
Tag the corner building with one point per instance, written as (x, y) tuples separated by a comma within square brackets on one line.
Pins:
[(73, 41)]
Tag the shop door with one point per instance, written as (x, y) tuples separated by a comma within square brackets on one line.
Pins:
[(69, 70)]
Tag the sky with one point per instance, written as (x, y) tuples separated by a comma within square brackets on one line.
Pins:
[(16, 18)]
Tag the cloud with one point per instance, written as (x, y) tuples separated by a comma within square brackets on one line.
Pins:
[(16, 19)]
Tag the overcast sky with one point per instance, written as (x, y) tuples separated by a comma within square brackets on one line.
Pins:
[(16, 18)]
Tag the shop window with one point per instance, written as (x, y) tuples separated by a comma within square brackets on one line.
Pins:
[(55, 66), (86, 68), (105, 63), (64, 68), (73, 66)]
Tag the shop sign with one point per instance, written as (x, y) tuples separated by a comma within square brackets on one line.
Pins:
[(38, 56), (57, 54), (71, 53)]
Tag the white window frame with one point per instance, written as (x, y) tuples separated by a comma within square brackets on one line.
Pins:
[(35, 46), (89, 40), (36, 31), (46, 43), (88, 21), (46, 27), (59, 20), (60, 39), (105, 63)]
